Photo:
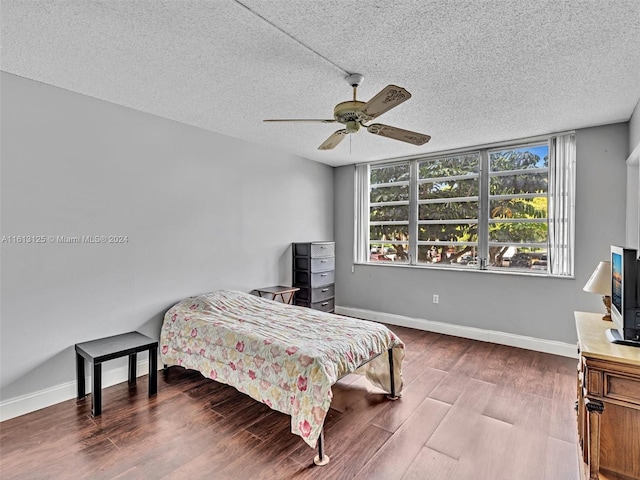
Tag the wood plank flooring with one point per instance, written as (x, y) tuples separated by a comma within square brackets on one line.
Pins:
[(469, 410)]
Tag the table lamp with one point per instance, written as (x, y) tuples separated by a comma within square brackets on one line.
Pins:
[(600, 282)]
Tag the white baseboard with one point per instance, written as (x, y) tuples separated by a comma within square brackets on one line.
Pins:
[(502, 338), (14, 407)]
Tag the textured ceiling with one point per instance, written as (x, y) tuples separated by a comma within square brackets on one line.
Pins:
[(479, 71)]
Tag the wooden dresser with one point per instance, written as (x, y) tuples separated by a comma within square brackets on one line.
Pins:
[(313, 273), (608, 403)]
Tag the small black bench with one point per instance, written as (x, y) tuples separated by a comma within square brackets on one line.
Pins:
[(103, 349)]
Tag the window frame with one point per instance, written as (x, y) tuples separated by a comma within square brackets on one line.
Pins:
[(362, 242)]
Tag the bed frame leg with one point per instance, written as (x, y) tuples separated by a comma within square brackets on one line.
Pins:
[(321, 459), (392, 395)]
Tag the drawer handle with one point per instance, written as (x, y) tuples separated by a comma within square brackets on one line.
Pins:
[(324, 304), (324, 261), (325, 289), (324, 274)]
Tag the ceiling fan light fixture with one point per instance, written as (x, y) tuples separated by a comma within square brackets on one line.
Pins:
[(352, 126)]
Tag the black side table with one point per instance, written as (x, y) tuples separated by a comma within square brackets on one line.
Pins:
[(109, 348)]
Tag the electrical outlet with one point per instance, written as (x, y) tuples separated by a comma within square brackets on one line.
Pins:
[(436, 299)]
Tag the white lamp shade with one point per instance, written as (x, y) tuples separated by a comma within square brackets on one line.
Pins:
[(600, 281)]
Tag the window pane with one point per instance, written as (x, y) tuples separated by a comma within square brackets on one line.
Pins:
[(389, 184), (391, 212), (389, 232), (521, 183), (535, 156), (388, 252), (518, 208), (518, 258), (518, 232), (448, 232), (458, 181), (389, 193), (519, 171), (389, 174), (450, 166), (457, 255), (448, 189), (448, 211)]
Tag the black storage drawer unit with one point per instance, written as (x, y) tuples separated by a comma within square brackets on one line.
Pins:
[(314, 274)]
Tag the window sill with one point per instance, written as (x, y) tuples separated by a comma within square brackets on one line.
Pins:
[(518, 273)]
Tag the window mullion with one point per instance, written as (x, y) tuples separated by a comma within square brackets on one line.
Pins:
[(483, 211), (413, 212)]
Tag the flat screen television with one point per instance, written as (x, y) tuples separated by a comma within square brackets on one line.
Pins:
[(625, 296)]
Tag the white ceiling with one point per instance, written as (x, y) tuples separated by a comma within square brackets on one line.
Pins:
[(479, 71)]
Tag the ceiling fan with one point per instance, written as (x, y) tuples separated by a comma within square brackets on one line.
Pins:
[(354, 114)]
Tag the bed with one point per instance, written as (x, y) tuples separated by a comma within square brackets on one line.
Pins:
[(284, 356)]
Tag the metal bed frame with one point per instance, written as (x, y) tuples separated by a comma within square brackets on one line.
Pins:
[(322, 459)]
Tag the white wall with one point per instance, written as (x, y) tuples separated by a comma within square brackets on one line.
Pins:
[(201, 212), (520, 305)]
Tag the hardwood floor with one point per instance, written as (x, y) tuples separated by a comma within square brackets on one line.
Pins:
[(469, 410)]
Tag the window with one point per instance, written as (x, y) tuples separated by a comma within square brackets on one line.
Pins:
[(507, 208)]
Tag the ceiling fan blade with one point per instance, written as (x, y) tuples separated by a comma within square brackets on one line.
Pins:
[(389, 97), (333, 140), (398, 134), (300, 120)]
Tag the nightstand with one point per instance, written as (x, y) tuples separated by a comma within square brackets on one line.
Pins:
[(278, 290)]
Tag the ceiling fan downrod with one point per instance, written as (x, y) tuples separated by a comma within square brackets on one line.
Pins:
[(354, 79)]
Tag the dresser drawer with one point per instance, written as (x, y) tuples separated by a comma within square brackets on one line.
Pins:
[(315, 249), (316, 294), (621, 387), (326, 306), (612, 382), (313, 279), (323, 264)]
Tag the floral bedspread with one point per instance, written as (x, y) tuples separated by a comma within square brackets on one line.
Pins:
[(285, 356)]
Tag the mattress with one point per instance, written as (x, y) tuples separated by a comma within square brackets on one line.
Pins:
[(284, 356)]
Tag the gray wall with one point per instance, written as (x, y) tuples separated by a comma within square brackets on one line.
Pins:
[(634, 128), (201, 211), (522, 305), (633, 181)]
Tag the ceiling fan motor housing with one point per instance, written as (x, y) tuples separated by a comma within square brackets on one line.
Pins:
[(350, 111)]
